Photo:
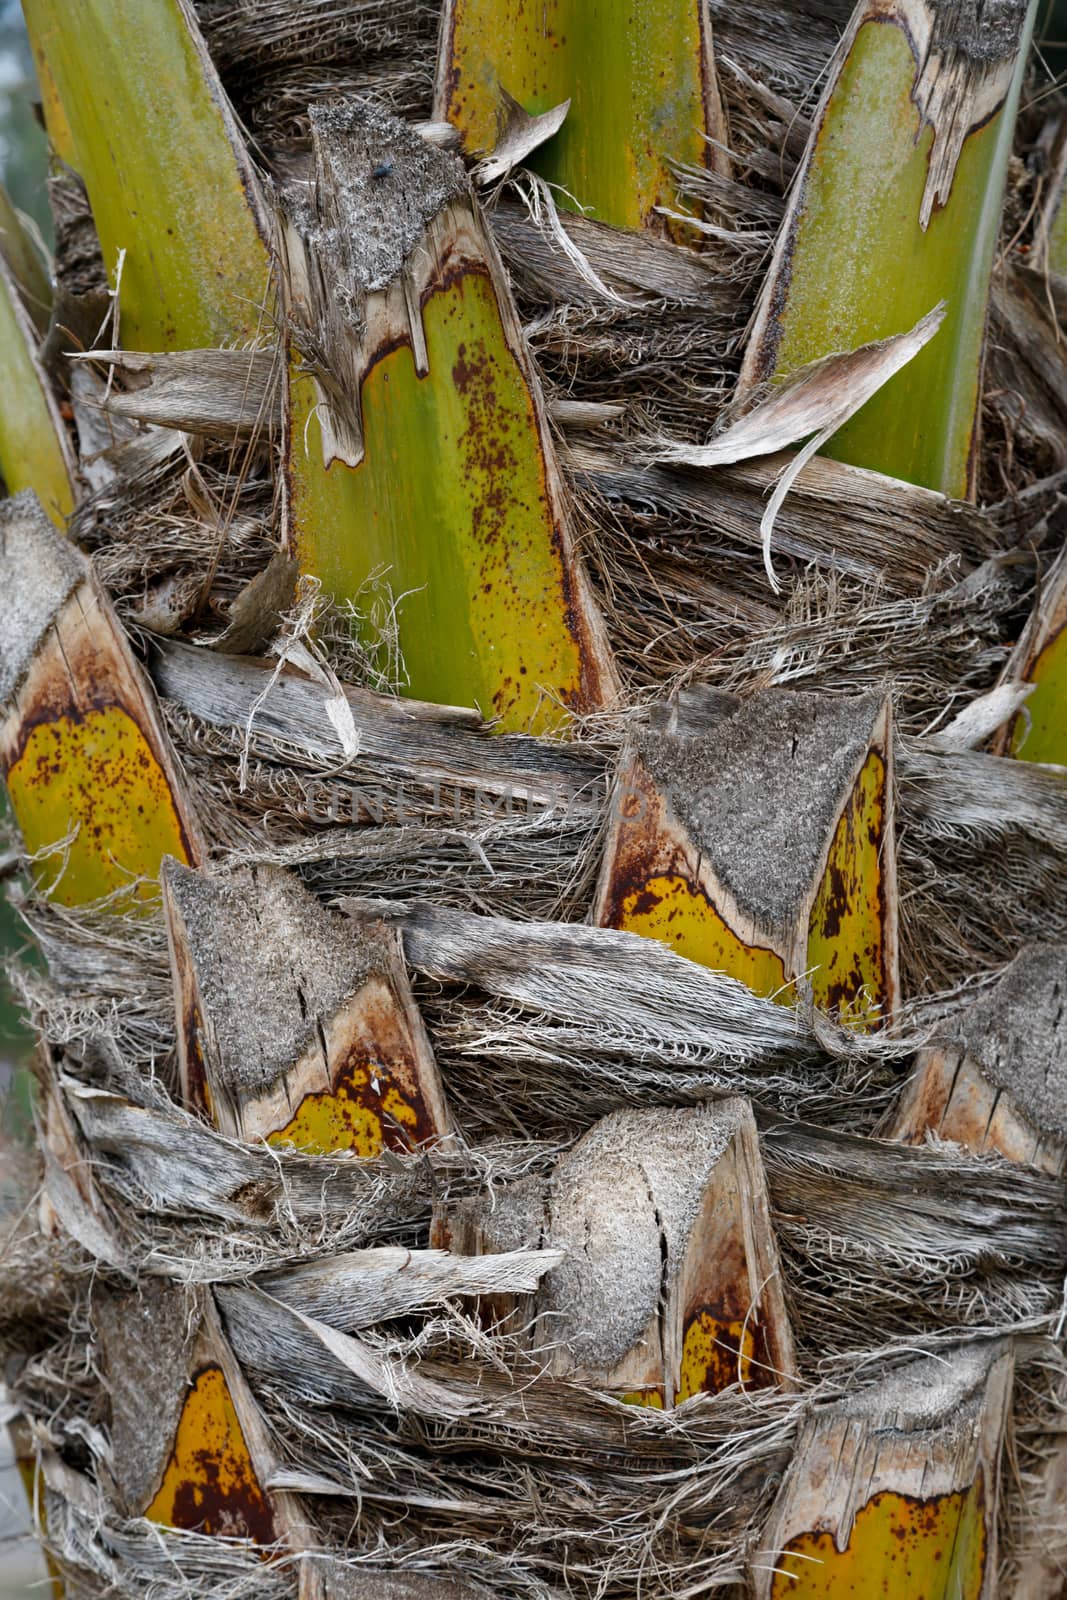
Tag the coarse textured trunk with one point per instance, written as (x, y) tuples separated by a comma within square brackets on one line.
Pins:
[(552, 892)]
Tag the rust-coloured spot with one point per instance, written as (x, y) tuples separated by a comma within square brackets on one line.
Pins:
[(652, 891), (717, 1352), (678, 913), (846, 934), (197, 1088), (468, 522), (377, 1101), (209, 1484), (96, 779), (901, 1548)]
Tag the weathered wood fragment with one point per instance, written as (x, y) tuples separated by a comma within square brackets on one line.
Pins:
[(407, 746), (361, 1287), (296, 1024), (222, 394), (418, 449), (670, 1284), (758, 840), (996, 1079), (893, 1490), (92, 783), (69, 1200)]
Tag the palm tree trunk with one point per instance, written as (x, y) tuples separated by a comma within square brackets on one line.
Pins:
[(551, 1072)]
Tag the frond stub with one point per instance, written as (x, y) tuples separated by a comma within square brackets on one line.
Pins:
[(669, 1284), (170, 183), (190, 1449), (894, 1489), (92, 782), (998, 1079), (640, 84), (296, 1024), (896, 207), (757, 839), (417, 441)]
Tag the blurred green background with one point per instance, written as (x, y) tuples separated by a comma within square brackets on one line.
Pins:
[(23, 169)]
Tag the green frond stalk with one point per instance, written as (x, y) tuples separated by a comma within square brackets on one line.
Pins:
[(417, 442), (895, 1495), (35, 449), (640, 81), (1038, 730), (897, 207), (1050, 233), (39, 25), (24, 264), (173, 193)]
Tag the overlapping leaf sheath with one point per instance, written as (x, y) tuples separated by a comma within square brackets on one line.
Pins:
[(257, 1111), (756, 837), (189, 1445), (1038, 731), (639, 82), (35, 451), (894, 1490), (295, 1024), (53, 111), (669, 1284), (418, 453), (995, 1080), (25, 263), (896, 208), (173, 194), (91, 779)]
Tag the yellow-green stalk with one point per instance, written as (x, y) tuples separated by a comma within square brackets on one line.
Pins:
[(896, 207)]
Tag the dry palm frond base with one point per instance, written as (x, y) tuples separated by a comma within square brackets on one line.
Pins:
[(433, 1455)]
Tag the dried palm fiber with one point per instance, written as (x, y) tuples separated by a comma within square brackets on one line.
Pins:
[(502, 1439), (974, 832), (314, 1397), (182, 529), (276, 59), (990, 1079), (504, 1478), (675, 557), (991, 1290)]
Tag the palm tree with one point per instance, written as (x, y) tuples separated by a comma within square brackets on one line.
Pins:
[(551, 1071)]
